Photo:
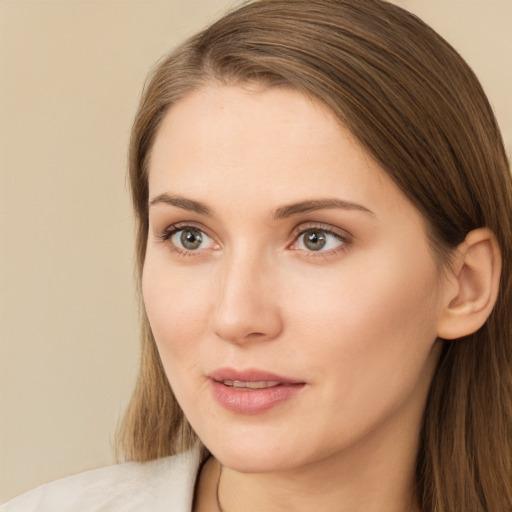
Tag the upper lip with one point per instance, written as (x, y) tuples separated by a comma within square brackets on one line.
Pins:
[(250, 375)]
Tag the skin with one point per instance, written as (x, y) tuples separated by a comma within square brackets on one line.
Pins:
[(356, 321)]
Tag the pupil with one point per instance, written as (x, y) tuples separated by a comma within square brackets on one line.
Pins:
[(191, 239), (315, 240)]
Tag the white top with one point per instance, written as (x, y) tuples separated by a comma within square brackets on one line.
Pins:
[(162, 485)]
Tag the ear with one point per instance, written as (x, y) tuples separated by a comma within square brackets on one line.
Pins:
[(473, 289)]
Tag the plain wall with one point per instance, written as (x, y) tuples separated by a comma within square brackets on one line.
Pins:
[(71, 72)]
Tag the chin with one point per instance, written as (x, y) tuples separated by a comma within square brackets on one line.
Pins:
[(252, 454), (254, 461)]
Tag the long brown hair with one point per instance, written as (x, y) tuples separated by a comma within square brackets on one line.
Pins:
[(419, 110)]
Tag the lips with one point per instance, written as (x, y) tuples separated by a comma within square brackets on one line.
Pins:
[(250, 375), (252, 391)]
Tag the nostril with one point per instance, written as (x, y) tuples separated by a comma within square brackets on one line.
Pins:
[(241, 337)]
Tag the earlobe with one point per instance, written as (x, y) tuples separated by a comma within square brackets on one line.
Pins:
[(476, 274)]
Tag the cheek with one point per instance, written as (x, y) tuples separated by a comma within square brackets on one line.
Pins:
[(176, 304), (385, 295), (372, 327), (368, 338)]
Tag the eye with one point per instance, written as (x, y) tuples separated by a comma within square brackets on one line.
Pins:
[(187, 239), (319, 240), (190, 239)]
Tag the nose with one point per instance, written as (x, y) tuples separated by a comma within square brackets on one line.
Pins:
[(246, 305)]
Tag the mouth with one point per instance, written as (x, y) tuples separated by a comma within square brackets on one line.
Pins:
[(251, 379), (239, 384), (252, 391)]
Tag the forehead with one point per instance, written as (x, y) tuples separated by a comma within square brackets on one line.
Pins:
[(245, 145), (250, 118)]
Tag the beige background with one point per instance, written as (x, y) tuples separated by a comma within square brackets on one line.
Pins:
[(70, 76)]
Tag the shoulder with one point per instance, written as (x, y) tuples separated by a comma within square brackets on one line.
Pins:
[(159, 485)]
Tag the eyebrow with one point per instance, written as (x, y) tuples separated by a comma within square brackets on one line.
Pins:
[(183, 203), (318, 204), (279, 213)]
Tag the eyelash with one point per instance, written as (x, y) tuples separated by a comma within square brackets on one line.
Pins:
[(169, 232), (344, 238)]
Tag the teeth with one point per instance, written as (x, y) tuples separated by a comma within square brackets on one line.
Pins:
[(251, 385)]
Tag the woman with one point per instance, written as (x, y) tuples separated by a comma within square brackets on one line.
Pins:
[(323, 204)]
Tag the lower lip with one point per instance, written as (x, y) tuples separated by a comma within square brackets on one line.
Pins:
[(253, 401)]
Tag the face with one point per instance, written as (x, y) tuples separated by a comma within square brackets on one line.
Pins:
[(289, 284)]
